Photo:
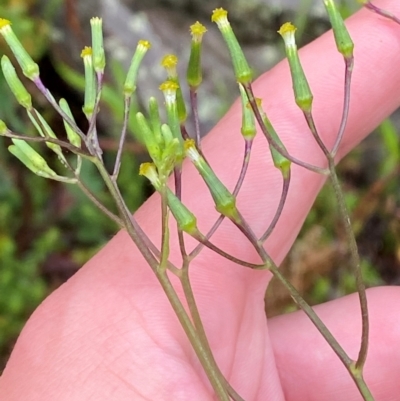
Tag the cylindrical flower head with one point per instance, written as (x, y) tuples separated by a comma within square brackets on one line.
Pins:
[(343, 40), (3, 128), (17, 88), (155, 120), (90, 82), (73, 137), (99, 57), (185, 219), (242, 70), (280, 161), (131, 77), (248, 120), (29, 68), (172, 151), (302, 91), (225, 202), (169, 89), (31, 159), (146, 134), (169, 62), (194, 74)]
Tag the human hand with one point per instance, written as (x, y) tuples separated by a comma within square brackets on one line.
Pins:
[(109, 333)]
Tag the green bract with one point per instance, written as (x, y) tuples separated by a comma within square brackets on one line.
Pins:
[(90, 82), (344, 43), (99, 58), (28, 66), (194, 74), (242, 70), (16, 86), (225, 202), (302, 91), (130, 81)]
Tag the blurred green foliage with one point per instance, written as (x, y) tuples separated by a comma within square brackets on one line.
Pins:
[(47, 230)]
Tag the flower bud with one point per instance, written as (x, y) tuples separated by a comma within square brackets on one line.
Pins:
[(185, 219), (99, 58), (130, 82), (29, 68), (16, 86), (169, 62), (280, 161), (73, 137), (31, 159), (225, 202), (242, 70), (248, 121), (90, 82), (3, 128), (343, 40), (194, 74), (169, 89), (302, 91)]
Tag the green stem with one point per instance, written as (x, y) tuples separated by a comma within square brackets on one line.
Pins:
[(250, 95), (355, 263), (117, 164), (361, 385), (216, 382), (164, 231), (354, 368), (282, 201), (99, 205), (349, 65), (248, 144), (194, 312), (205, 357)]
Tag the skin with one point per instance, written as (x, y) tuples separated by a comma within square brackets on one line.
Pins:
[(109, 332)]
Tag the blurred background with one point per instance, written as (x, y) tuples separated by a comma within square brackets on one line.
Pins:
[(48, 229)]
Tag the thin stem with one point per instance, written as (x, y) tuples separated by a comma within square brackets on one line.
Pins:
[(246, 159), (117, 165), (355, 263), (205, 357), (353, 368), (49, 97), (164, 231), (184, 133), (320, 326), (248, 144), (128, 219), (197, 321), (382, 12), (178, 193), (195, 111), (249, 91), (217, 383), (361, 385), (349, 64), (92, 141), (311, 124), (99, 205), (282, 201), (203, 240)]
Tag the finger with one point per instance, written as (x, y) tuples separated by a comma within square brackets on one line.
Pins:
[(308, 368), (230, 298)]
